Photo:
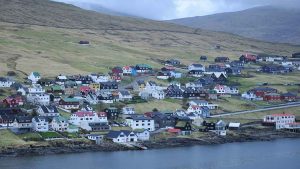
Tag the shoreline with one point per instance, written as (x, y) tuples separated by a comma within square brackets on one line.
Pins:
[(57, 147)]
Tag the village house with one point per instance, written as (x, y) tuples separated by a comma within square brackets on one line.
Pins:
[(124, 95), (129, 71), (81, 80), (142, 135), (13, 101), (279, 120), (158, 94), (196, 73), (233, 71), (111, 85), (175, 74), (272, 97), (250, 96), (22, 124), (221, 59), (40, 124), (185, 127), (116, 77), (172, 62), (34, 77), (289, 97), (81, 118), (162, 120), (237, 64), (193, 92), (196, 67), (140, 122), (164, 75), (48, 111), (105, 97), (139, 85), (59, 124), (95, 137), (112, 113), (248, 58), (97, 127), (202, 111), (203, 58), (262, 91), (123, 136), (69, 103), (36, 89), (143, 68), (195, 84), (128, 110), (273, 69), (117, 71), (203, 103), (97, 78), (39, 98), (5, 82), (174, 91), (61, 79), (220, 128), (273, 58)]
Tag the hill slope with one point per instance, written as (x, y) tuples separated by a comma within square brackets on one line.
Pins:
[(41, 35), (267, 23)]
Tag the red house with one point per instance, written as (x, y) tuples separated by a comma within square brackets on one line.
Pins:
[(290, 97), (85, 90), (117, 71), (272, 97), (262, 91), (116, 77), (13, 101), (248, 58)]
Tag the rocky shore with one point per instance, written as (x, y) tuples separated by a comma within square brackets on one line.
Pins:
[(59, 147)]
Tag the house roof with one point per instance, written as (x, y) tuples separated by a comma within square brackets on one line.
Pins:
[(49, 109), (125, 92), (115, 134), (235, 125), (70, 99), (82, 114), (36, 74), (59, 119), (282, 114), (138, 117)]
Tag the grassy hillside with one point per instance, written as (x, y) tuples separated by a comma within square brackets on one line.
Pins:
[(268, 23), (47, 40)]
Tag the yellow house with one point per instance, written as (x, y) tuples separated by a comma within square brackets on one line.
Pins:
[(94, 86)]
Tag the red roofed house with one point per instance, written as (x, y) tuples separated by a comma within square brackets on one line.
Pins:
[(85, 90), (117, 70), (279, 120), (272, 97), (174, 131), (248, 58), (13, 101), (127, 70)]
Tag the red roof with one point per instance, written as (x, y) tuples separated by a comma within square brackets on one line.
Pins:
[(283, 114), (101, 114), (82, 114), (85, 88), (127, 67), (174, 130)]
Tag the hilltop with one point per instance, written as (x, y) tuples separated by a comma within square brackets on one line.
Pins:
[(268, 23), (43, 35)]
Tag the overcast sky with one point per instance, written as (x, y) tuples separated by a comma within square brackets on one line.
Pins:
[(171, 9)]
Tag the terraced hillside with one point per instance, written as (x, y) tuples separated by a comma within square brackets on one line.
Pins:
[(42, 35)]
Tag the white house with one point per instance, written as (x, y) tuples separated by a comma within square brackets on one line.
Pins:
[(92, 98), (203, 103), (194, 109), (98, 78), (61, 79), (231, 90), (48, 111), (151, 85), (123, 136), (158, 94), (220, 89), (142, 135), (36, 89), (193, 84), (127, 70), (280, 120), (124, 95), (5, 83), (250, 96), (40, 124), (34, 77), (87, 117), (41, 99), (95, 137), (196, 67), (59, 124), (140, 122), (176, 74), (128, 110)]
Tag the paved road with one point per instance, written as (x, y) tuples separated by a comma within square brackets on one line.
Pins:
[(288, 105)]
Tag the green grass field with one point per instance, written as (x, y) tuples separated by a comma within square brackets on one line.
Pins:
[(7, 138), (50, 134), (161, 105)]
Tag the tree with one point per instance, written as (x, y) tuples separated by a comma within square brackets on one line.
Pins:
[(155, 110)]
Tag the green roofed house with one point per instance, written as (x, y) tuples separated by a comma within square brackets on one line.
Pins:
[(69, 103), (72, 129), (56, 89), (34, 77), (60, 124), (212, 95), (143, 68)]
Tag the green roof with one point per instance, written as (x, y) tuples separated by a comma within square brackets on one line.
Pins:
[(181, 124), (56, 87), (36, 74), (70, 100), (144, 65), (71, 126)]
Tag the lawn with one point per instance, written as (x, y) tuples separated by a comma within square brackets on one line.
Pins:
[(64, 114), (50, 134), (260, 115), (233, 104), (32, 136), (161, 105), (7, 138)]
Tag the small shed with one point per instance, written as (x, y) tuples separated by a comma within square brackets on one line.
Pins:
[(234, 126)]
